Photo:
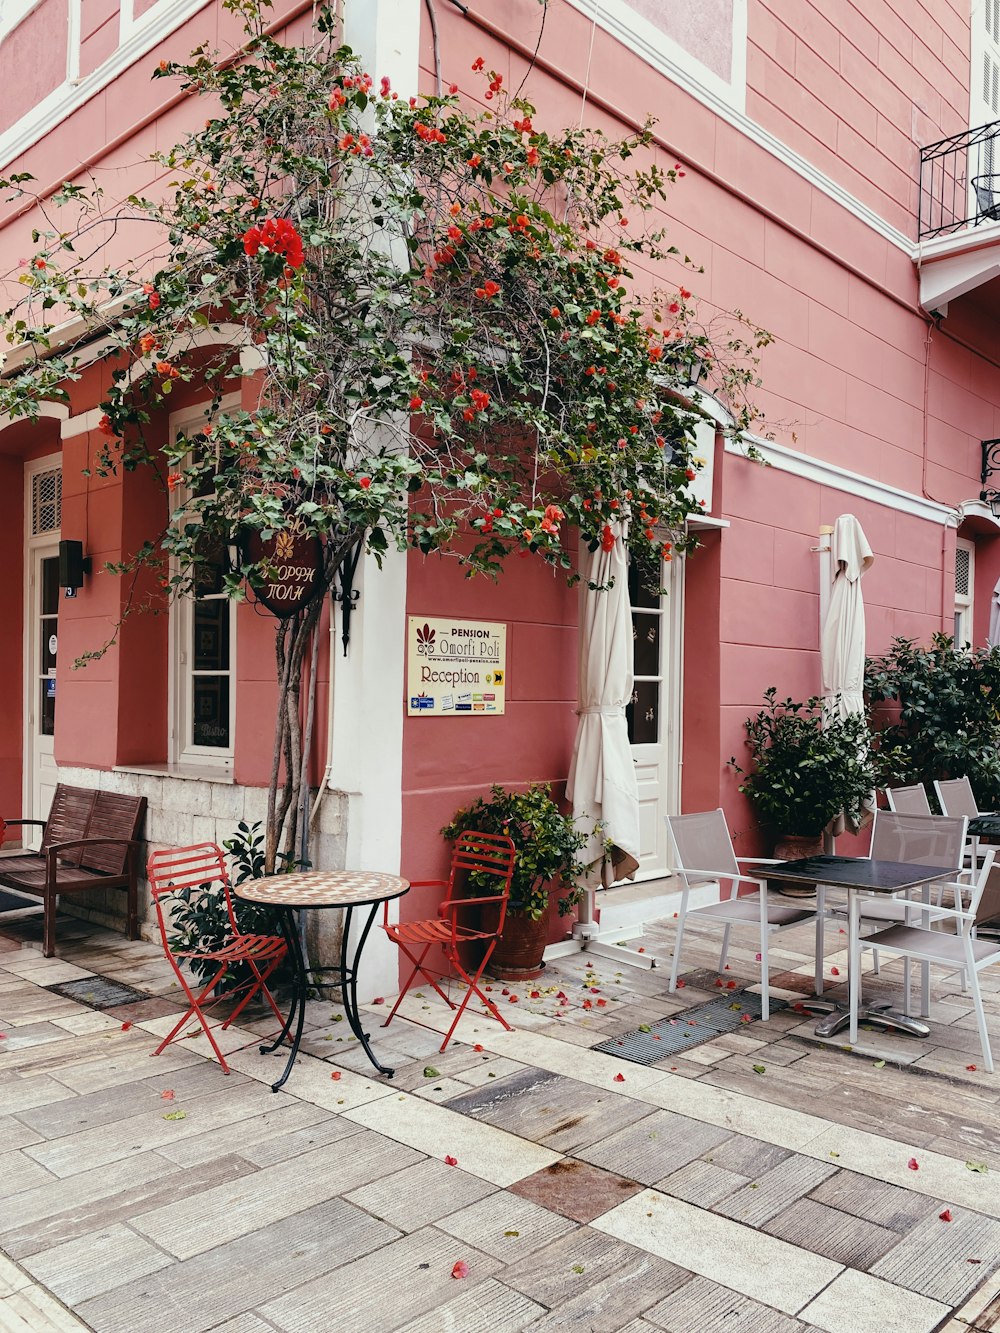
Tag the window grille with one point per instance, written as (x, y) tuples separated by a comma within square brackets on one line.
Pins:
[(46, 502), (962, 565)]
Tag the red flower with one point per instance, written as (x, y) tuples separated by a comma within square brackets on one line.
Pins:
[(148, 342), (386, 86), (593, 317), (105, 426), (279, 236), (478, 64), (174, 479), (364, 482), (154, 300), (416, 403), (607, 539), (40, 263)]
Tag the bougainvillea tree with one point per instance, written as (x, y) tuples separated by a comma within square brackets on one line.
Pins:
[(446, 312)]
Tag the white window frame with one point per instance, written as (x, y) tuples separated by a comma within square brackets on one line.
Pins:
[(183, 752), (964, 603)]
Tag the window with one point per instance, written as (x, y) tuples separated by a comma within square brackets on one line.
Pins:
[(643, 711), (965, 577), (203, 634)]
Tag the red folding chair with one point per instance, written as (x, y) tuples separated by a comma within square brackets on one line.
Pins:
[(490, 857), (192, 868)]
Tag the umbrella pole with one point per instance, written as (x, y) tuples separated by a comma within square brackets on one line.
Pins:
[(822, 548)]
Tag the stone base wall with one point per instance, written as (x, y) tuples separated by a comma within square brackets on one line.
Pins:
[(181, 811)]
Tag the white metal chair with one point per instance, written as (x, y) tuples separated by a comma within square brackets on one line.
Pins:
[(908, 800), (959, 950), (702, 850), (956, 797)]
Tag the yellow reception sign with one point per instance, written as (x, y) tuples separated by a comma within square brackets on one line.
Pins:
[(455, 668)]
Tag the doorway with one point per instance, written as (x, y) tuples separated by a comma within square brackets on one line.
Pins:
[(43, 509), (653, 715)]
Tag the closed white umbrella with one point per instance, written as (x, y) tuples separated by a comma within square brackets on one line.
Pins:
[(842, 644), (993, 638), (602, 783)]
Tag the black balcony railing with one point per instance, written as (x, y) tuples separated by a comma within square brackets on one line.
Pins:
[(960, 181)]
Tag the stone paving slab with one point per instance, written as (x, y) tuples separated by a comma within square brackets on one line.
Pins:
[(214, 1216), (933, 1259), (851, 1241), (368, 1294), (547, 1108), (489, 1307), (95, 1263), (245, 1274), (75, 1212), (705, 1305), (654, 1146), (420, 1194), (576, 1189), (775, 1190), (506, 1226)]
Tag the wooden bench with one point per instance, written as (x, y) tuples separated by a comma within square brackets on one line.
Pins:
[(90, 841)]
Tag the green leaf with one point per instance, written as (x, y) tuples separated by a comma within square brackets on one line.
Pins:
[(512, 1233), (980, 1168), (431, 1072), (879, 1064), (760, 1069), (578, 1268), (644, 1027), (175, 1115)]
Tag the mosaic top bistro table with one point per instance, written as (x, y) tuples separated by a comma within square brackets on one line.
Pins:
[(859, 875), (318, 889)]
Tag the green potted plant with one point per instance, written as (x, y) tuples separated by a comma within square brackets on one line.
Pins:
[(547, 867), (809, 767)]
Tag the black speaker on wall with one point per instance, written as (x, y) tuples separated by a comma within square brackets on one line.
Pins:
[(73, 565)]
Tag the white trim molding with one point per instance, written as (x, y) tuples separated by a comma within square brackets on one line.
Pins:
[(143, 35), (952, 265), (841, 479), (665, 56)]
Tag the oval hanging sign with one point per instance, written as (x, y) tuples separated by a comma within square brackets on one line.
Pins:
[(290, 564)]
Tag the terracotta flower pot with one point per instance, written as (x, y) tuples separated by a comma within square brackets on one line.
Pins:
[(518, 955), (796, 847)]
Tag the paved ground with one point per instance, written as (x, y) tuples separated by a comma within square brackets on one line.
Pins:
[(760, 1182)]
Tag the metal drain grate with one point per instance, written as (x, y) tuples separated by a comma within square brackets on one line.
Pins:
[(689, 1028), (99, 992)]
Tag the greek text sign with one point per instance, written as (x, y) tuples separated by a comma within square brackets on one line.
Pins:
[(290, 562), (455, 668)]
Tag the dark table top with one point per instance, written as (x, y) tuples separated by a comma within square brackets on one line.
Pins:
[(986, 825), (857, 872)]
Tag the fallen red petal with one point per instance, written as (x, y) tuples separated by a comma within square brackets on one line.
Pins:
[(681, 982), (640, 950), (461, 1269), (913, 1164), (730, 985), (972, 1068), (946, 1215), (719, 981), (127, 1024), (451, 1161), (619, 1078), (336, 1074), (379, 999), (477, 1047), (834, 971), (167, 1094)]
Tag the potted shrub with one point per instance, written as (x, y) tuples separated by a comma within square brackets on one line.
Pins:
[(546, 867), (809, 767)]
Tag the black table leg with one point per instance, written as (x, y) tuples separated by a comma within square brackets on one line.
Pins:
[(349, 973), (300, 991)]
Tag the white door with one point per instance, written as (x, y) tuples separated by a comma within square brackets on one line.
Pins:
[(41, 628), (653, 715), (984, 104)]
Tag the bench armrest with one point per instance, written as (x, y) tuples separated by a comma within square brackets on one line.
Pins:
[(11, 822), (57, 848)]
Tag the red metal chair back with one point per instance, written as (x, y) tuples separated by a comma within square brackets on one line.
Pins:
[(177, 868), (491, 854)]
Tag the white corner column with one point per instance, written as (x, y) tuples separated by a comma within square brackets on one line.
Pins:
[(366, 743)]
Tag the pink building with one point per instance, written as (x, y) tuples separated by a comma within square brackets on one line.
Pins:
[(806, 201)]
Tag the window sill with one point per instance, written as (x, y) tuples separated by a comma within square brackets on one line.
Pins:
[(186, 772)]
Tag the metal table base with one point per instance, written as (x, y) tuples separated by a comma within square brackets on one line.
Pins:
[(881, 1015), (345, 978)]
